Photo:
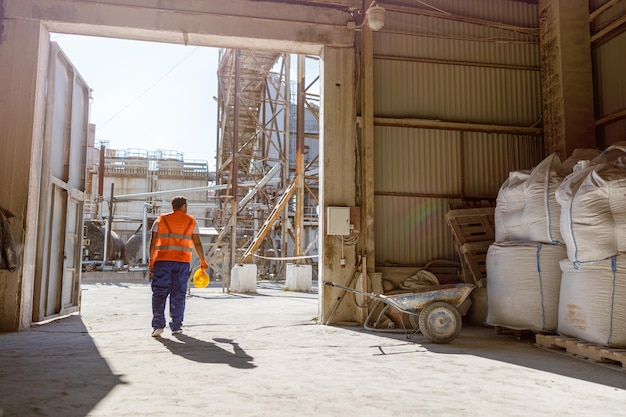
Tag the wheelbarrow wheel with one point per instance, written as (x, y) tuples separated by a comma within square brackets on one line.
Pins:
[(440, 322)]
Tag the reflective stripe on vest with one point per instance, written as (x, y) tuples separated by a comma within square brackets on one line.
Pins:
[(171, 244)]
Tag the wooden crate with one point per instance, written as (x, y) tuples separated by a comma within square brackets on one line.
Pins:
[(472, 225)]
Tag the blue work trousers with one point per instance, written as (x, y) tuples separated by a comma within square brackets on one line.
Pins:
[(169, 278)]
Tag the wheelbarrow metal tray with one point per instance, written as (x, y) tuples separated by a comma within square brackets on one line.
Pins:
[(453, 294)]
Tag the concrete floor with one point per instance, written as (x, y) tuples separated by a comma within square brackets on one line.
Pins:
[(264, 354)]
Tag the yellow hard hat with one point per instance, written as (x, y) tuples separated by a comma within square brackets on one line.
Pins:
[(200, 278)]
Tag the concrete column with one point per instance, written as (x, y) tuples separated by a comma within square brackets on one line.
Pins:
[(24, 44), (367, 146), (337, 177), (566, 76)]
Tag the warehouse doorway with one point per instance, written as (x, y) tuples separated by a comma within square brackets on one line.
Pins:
[(302, 31), (277, 150)]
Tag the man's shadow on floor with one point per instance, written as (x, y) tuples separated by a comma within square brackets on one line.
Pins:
[(208, 352)]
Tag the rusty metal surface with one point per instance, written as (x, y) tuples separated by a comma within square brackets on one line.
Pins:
[(412, 302), (454, 294)]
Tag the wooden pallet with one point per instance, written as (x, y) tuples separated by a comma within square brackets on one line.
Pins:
[(518, 334), (474, 259), (472, 225), (474, 231), (580, 349)]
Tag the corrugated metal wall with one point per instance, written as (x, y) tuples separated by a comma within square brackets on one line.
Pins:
[(479, 74), (609, 64)]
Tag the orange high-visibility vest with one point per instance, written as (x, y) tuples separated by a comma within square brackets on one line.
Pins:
[(173, 241)]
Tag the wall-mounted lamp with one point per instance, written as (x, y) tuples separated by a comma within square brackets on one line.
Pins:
[(375, 16)]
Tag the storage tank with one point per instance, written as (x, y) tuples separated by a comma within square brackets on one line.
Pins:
[(94, 243), (134, 246)]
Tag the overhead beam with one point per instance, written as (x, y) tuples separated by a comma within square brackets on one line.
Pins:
[(298, 28), (463, 127)]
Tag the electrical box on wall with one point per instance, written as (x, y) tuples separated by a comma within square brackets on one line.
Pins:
[(338, 220)]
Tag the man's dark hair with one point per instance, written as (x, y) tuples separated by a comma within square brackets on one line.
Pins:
[(178, 202)]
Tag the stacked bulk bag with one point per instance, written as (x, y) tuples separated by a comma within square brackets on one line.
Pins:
[(542, 212), (525, 207), (592, 303), (509, 209), (523, 273), (522, 266), (593, 212), (523, 285)]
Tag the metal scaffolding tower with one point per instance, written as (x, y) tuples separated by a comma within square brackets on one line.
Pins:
[(268, 139)]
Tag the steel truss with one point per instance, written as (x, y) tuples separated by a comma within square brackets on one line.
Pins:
[(270, 134)]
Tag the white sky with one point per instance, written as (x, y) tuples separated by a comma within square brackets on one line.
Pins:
[(149, 95)]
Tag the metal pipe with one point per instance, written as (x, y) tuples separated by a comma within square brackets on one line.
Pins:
[(144, 234), (458, 62), (106, 241), (286, 151), (432, 195), (299, 209), (100, 179), (142, 196), (465, 127), (110, 223), (235, 161)]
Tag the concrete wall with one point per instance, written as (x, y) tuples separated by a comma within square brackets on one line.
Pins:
[(337, 176)]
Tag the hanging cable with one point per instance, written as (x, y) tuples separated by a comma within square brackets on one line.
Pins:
[(148, 89)]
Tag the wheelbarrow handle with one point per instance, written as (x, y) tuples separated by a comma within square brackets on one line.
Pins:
[(367, 294)]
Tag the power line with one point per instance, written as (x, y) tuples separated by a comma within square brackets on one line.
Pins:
[(148, 89)]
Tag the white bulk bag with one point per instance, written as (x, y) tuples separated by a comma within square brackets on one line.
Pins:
[(592, 302), (542, 212), (564, 195), (523, 284), (593, 213), (526, 207), (509, 208)]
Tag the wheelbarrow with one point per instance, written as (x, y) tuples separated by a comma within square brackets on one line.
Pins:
[(433, 310)]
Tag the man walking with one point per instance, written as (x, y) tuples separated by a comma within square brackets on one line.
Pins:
[(174, 235)]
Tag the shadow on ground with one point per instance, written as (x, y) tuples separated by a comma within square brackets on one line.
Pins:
[(482, 341), (52, 370), (202, 351)]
